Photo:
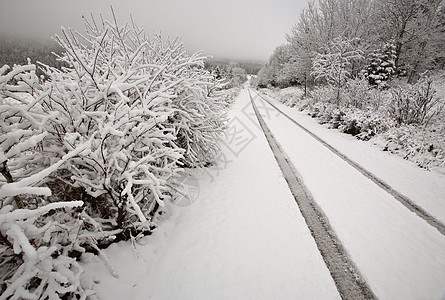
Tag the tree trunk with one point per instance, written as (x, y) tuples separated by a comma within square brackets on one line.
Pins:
[(399, 45), (338, 96), (429, 29), (338, 88)]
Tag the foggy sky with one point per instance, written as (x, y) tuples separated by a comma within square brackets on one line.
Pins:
[(247, 29)]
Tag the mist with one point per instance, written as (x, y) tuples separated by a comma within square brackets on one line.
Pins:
[(234, 29)]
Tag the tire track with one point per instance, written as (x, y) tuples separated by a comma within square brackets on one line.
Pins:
[(345, 274), (404, 200)]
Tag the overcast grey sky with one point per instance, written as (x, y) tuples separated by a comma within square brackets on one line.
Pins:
[(249, 29)]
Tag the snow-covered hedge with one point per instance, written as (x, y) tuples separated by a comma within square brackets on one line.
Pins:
[(40, 241), (109, 135), (405, 119), (289, 96), (423, 146)]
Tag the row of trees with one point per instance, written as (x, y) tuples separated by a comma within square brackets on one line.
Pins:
[(338, 39), (347, 51), (93, 153), (251, 67), (232, 72)]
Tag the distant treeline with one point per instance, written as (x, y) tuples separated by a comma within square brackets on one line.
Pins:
[(252, 68), (17, 51)]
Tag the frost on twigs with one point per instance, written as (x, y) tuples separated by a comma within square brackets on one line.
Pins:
[(113, 129), (142, 105), (415, 104), (40, 241), (335, 64)]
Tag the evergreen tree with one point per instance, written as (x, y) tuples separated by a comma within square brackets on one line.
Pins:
[(382, 64)]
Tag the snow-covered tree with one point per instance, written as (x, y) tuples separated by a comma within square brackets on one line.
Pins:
[(278, 72), (382, 64), (417, 27), (335, 64), (301, 65), (395, 17), (322, 21), (235, 75), (265, 75), (428, 39)]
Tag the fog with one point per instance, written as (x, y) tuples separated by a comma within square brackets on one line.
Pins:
[(242, 29)]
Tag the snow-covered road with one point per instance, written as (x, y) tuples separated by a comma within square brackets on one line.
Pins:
[(245, 238), (399, 254)]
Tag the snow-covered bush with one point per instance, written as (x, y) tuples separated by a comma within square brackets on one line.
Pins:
[(228, 96), (37, 237), (42, 242), (323, 93), (364, 124), (114, 129), (362, 112), (231, 74), (356, 93), (420, 131), (23, 128), (290, 95), (415, 104), (372, 116), (423, 146), (369, 119), (142, 107)]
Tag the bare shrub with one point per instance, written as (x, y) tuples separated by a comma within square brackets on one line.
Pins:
[(415, 104)]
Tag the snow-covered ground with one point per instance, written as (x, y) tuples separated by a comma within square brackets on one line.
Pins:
[(399, 254), (425, 188), (244, 237)]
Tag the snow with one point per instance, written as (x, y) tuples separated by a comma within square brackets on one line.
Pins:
[(399, 254), (153, 126), (244, 237), (9, 216), (38, 241), (23, 186), (425, 188)]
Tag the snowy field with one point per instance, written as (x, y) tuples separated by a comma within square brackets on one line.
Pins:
[(244, 237)]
